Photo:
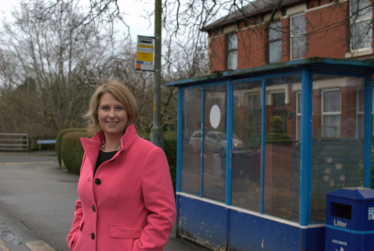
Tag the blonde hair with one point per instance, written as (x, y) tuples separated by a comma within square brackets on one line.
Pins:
[(122, 94)]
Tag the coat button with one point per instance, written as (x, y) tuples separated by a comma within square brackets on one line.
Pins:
[(93, 208), (92, 236), (97, 181)]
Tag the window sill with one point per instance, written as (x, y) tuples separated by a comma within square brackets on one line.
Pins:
[(357, 53)]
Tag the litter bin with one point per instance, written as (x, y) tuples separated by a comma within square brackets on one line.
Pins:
[(350, 219)]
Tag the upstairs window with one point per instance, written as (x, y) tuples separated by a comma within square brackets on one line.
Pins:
[(275, 42), (298, 38), (232, 52), (361, 30)]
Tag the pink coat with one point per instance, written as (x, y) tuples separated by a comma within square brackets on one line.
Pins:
[(129, 204)]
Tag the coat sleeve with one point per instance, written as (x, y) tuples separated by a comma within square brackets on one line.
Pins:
[(159, 199), (78, 215)]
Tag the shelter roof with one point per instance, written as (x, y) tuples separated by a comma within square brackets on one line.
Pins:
[(329, 66)]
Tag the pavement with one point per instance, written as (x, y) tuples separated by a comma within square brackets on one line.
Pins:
[(37, 202)]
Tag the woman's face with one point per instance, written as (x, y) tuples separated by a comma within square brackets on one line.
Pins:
[(112, 116)]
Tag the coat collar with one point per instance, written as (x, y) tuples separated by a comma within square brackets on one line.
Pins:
[(92, 146)]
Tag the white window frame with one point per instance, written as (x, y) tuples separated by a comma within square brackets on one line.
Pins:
[(298, 114), (275, 40), (354, 20), (295, 36), (231, 51), (329, 113), (253, 94), (362, 113)]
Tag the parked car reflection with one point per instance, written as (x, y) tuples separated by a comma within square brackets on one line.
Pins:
[(214, 142)]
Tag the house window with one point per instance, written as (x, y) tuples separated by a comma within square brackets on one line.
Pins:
[(361, 29), (275, 42), (254, 102), (232, 52), (298, 38), (331, 112)]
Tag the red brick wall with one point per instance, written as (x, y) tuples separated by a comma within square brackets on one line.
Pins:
[(348, 111), (285, 23), (252, 48), (325, 40), (217, 55)]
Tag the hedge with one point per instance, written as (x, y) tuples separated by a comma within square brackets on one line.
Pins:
[(361, 170), (71, 151), (59, 137)]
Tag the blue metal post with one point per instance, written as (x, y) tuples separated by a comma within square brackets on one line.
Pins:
[(179, 151), (263, 145), (180, 138), (229, 141), (310, 145), (202, 143), (305, 151), (368, 133)]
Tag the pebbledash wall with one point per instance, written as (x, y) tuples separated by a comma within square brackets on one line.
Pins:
[(259, 148)]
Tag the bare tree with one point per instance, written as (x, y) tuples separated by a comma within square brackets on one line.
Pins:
[(54, 53)]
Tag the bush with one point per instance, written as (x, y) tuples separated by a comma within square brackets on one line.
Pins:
[(170, 148), (72, 150), (59, 137), (361, 170), (34, 146)]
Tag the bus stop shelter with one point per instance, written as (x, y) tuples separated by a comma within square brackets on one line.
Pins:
[(259, 148)]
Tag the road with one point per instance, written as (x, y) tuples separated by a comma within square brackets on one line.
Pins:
[(37, 196)]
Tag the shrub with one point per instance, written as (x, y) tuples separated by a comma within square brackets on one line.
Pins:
[(72, 150), (361, 170), (170, 148), (59, 137)]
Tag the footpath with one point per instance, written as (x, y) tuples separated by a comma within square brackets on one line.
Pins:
[(25, 222)]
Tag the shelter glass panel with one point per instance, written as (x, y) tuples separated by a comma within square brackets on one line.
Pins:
[(191, 141), (215, 142), (337, 153), (246, 146), (282, 149)]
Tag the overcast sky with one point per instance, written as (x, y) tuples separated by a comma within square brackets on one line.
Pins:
[(134, 15)]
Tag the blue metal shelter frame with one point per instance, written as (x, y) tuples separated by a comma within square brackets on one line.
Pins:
[(299, 236)]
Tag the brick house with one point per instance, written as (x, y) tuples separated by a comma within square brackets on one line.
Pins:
[(296, 30), (266, 33)]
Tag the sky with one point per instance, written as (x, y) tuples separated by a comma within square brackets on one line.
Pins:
[(134, 10)]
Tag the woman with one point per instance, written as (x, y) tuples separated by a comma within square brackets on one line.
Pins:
[(126, 200)]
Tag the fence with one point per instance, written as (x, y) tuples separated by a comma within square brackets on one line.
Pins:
[(14, 141)]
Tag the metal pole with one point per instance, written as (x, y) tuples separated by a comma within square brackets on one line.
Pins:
[(157, 137)]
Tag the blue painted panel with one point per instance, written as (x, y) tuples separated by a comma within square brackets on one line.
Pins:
[(202, 222), (316, 239), (216, 227), (249, 232)]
